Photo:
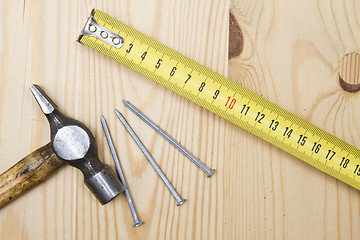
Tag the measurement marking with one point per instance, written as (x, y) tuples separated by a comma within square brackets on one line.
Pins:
[(160, 58), (203, 88), (174, 73), (207, 100), (241, 117), (126, 53)]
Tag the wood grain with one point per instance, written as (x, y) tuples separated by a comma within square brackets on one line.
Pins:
[(37, 44), (349, 68), (292, 56)]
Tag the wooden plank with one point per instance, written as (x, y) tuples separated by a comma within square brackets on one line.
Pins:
[(37, 45), (292, 55)]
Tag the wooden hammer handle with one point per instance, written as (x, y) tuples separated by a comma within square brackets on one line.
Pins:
[(27, 173)]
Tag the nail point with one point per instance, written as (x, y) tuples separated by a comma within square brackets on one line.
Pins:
[(119, 115)]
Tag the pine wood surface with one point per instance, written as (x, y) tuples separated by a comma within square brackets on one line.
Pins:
[(291, 55), (38, 46)]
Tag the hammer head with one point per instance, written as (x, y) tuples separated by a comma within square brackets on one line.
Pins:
[(73, 143)]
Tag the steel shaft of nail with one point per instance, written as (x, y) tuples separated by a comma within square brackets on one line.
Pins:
[(179, 200), (137, 222), (168, 138)]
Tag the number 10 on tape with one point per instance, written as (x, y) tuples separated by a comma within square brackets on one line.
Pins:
[(222, 97)]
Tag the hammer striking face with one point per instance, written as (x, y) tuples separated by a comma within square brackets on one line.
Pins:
[(74, 144)]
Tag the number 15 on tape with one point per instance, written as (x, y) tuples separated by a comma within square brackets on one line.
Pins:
[(222, 97)]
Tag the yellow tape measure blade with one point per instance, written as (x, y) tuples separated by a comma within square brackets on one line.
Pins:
[(223, 97)]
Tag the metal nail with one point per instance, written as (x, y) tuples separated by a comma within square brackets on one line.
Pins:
[(137, 222), (179, 200), (168, 138)]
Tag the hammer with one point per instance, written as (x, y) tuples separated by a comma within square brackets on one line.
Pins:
[(71, 143)]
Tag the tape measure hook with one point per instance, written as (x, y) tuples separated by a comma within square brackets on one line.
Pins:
[(93, 28)]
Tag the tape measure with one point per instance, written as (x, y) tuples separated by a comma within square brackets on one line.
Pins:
[(222, 97)]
